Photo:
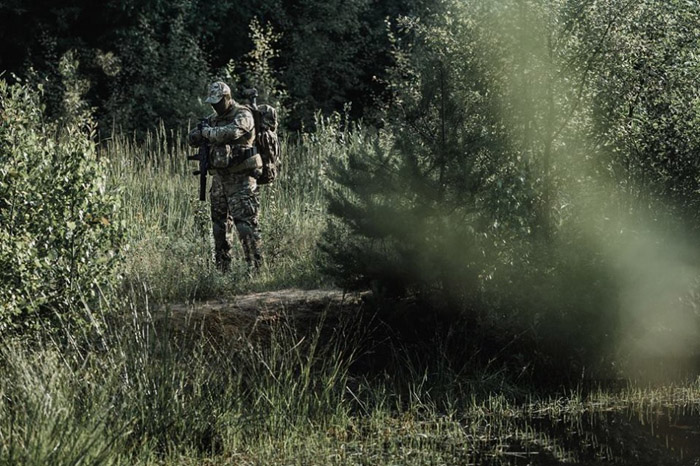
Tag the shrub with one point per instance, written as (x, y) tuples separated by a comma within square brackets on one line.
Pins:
[(59, 243), (482, 197)]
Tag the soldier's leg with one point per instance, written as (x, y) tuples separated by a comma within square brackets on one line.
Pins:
[(245, 207), (221, 224)]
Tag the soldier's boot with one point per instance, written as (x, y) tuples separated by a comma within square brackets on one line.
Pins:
[(222, 247), (223, 261), (251, 251)]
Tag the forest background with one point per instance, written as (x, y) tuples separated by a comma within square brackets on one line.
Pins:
[(516, 182)]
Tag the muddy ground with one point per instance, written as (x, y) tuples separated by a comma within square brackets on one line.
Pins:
[(251, 315)]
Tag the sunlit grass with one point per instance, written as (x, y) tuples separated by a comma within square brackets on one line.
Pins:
[(170, 242)]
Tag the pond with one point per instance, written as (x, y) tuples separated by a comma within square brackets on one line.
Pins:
[(633, 435)]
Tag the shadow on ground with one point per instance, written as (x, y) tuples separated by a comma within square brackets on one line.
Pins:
[(650, 433)]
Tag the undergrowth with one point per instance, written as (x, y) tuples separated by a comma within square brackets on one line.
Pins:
[(138, 393), (170, 242)]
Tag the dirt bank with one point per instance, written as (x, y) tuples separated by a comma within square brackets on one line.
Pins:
[(252, 314)]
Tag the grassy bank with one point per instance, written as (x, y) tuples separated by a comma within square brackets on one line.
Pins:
[(140, 395)]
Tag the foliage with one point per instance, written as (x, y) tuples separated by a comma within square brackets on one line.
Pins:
[(324, 29), (59, 232), (162, 70), (417, 193), (534, 159), (147, 61), (647, 105), (257, 71), (142, 60), (259, 67), (484, 195)]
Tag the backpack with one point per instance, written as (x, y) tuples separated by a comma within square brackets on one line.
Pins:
[(266, 140)]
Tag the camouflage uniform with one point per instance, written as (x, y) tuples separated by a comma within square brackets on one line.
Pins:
[(234, 192)]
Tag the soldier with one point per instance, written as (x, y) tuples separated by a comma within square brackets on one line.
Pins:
[(235, 165)]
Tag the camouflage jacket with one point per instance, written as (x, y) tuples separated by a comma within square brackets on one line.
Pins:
[(235, 127)]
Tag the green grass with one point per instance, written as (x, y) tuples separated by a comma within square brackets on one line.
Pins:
[(170, 242), (141, 395), (127, 390)]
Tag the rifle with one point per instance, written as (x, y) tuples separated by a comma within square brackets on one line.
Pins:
[(203, 158), (252, 95)]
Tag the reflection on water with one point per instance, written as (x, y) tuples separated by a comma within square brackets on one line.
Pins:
[(629, 428), (628, 436)]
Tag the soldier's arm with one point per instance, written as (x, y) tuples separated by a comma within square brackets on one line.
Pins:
[(241, 125)]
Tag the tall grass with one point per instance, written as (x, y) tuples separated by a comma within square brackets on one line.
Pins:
[(141, 395), (131, 391), (170, 242)]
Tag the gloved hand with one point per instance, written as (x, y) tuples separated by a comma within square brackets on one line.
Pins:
[(206, 130), (194, 138)]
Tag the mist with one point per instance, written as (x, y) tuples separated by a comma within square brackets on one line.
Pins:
[(533, 179), (605, 206)]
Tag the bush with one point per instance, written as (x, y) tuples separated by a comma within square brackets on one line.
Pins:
[(59, 243), (483, 197)]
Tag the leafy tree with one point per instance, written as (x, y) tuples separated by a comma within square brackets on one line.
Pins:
[(647, 107), (59, 241), (413, 202), (482, 195), (162, 69), (142, 59), (147, 60), (259, 70)]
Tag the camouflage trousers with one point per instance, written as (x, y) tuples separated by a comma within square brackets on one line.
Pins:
[(235, 201)]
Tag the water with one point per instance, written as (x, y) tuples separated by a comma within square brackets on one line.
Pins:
[(633, 435)]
